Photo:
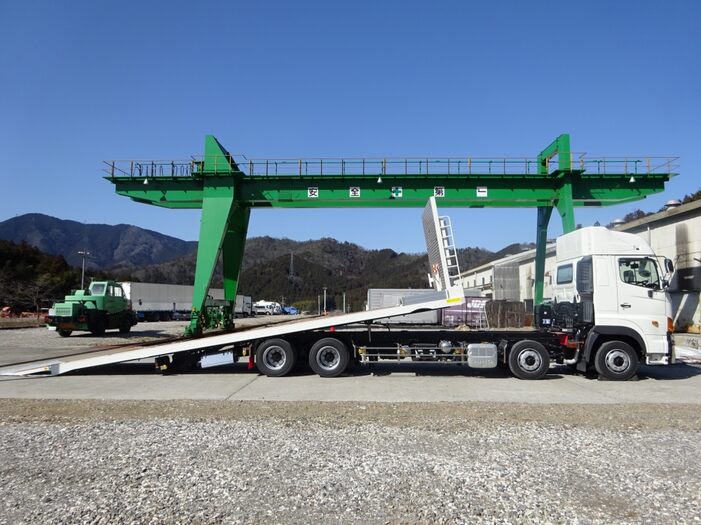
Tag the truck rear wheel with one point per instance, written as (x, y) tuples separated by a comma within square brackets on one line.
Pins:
[(125, 326), (529, 360), (275, 357), (616, 361), (329, 357), (97, 325)]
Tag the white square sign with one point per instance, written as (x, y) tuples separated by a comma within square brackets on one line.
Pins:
[(482, 191), (313, 192)]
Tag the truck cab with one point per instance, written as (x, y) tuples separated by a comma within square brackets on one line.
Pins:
[(609, 294)]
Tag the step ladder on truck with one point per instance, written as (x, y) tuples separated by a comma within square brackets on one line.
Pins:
[(609, 314)]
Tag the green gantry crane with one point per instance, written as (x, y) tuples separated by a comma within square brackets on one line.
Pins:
[(226, 187)]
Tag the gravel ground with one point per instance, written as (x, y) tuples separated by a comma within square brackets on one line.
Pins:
[(204, 462)]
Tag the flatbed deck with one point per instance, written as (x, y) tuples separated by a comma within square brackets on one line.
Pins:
[(61, 365)]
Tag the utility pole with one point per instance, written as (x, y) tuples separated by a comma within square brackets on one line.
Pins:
[(85, 254), (324, 300), (318, 304), (344, 302)]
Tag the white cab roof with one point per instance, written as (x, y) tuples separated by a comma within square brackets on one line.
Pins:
[(597, 240)]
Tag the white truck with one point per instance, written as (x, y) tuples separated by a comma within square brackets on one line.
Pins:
[(609, 295), (243, 307), (610, 313), (163, 302)]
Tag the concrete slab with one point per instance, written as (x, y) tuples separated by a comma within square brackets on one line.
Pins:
[(674, 384), (387, 381)]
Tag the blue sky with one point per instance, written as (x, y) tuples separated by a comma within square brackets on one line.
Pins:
[(81, 82)]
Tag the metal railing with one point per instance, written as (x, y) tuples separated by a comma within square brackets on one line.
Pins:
[(378, 167), (150, 168)]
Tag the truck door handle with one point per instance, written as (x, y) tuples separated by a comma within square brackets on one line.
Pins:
[(625, 305)]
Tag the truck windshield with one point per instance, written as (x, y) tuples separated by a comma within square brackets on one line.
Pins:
[(97, 288), (639, 272)]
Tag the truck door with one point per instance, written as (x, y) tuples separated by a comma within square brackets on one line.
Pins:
[(109, 299), (641, 299)]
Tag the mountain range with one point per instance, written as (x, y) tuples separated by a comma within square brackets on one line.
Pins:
[(272, 268), (122, 244)]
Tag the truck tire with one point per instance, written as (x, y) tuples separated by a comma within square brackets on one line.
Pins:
[(65, 333), (529, 360), (616, 361), (329, 357), (275, 357), (98, 328), (125, 325)]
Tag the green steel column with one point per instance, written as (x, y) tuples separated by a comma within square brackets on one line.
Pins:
[(544, 213), (565, 205), (218, 211), (232, 250), (560, 147)]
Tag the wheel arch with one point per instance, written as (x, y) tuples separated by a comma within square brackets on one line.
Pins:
[(601, 334)]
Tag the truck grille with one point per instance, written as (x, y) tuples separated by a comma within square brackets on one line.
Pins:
[(63, 311)]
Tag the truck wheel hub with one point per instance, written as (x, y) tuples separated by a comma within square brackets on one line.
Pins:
[(529, 360), (274, 357), (328, 358), (617, 361)]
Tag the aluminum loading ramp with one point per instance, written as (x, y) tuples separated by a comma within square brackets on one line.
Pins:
[(442, 254), (61, 365)]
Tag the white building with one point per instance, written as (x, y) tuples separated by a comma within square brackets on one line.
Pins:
[(674, 233)]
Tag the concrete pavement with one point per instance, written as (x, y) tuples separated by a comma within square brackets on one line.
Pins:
[(386, 382)]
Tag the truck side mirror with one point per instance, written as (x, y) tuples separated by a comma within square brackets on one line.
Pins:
[(668, 266)]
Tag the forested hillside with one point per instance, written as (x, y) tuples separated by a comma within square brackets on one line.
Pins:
[(29, 277)]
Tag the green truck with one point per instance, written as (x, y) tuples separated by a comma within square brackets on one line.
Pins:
[(103, 306)]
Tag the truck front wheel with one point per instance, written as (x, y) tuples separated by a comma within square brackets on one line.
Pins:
[(616, 361), (65, 333), (529, 360), (275, 357), (329, 357)]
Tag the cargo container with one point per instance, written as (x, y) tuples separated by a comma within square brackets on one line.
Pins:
[(160, 302)]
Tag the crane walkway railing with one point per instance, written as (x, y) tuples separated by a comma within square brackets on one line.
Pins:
[(380, 167)]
